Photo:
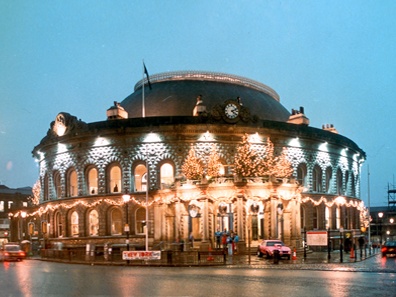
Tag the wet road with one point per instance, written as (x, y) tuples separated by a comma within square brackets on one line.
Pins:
[(39, 278)]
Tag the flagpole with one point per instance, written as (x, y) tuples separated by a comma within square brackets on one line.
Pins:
[(143, 107), (147, 190), (368, 198)]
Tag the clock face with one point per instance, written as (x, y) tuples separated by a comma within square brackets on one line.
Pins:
[(231, 111)]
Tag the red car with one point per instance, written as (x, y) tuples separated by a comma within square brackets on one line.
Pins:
[(388, 248), (268, 247), (12, 252)]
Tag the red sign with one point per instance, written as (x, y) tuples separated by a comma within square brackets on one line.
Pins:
[(141, 255)]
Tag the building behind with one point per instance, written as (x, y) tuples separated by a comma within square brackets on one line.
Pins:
[(199, 151)]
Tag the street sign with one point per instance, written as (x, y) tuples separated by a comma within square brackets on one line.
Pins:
[(141, 255), (318, 238)]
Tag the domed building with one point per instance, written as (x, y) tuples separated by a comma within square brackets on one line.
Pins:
[(189, 153)]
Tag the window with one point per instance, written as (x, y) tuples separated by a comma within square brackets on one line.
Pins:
[(9, 205), (338, 217), (116, 222), (339, 182), (346, 187), (58, 225), (317, 179), (302, 216), (140, 220), (92, 181), (115, 179), (167, 176), (74, 224), (328, 217), (353, 189), (57, 184), (45, 186), (93, 223), (140, 174), (72, 183), (315, 224), (302, 174), (1, 206), (329, 174)]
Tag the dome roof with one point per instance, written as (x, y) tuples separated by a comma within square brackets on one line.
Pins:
[(175, 94)]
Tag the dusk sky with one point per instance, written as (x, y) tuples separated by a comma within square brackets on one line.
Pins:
[(334, 58)]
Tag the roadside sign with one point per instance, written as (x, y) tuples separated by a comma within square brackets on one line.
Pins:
[(318, 238), (141, 255)]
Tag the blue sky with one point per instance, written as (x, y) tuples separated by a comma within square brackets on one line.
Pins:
[(335, 58)]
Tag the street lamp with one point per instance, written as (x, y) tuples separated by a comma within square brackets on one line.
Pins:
[(380, 215)]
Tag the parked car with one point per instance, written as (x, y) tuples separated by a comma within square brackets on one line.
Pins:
[(388, 248), (12, 252), (268, 247)]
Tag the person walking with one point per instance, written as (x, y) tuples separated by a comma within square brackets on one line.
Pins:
[(218, 238)]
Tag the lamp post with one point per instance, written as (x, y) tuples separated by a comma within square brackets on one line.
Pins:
[(391, 220), (126, 197), (380, 215)]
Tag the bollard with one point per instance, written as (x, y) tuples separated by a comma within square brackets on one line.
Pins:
[(276, 256)]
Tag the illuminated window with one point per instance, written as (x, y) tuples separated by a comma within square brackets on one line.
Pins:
[(317, 179), (58, 225), (46, 187), (92, 181), (93, 223), (167, 176), (1, 206), (302, 174), (72, 183), (116, 222), (74, 224), (57, 184), (140, 220), (140, 174), (115, 179), (339, 182), (9, 205), (328, 217), (329, 174), (338, 217)]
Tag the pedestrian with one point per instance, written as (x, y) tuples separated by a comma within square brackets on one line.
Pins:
[(191, 239), (230, 244), (224, 240), (236, 240), (218, 238)]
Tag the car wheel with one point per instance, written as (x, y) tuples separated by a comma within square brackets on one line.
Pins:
[(259, 253), (288, 257)]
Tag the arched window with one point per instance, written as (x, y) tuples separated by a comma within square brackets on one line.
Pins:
[(317, 179), (140, 174), (58, 225), (302, 174), (346, 186), (92, 181), (46, 187), (329, 175), (339, 181), (140, 220), (74, 224), (93, 223), (57, 185), (116, 222), (115, 179), (167, 176), (72, 183)]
